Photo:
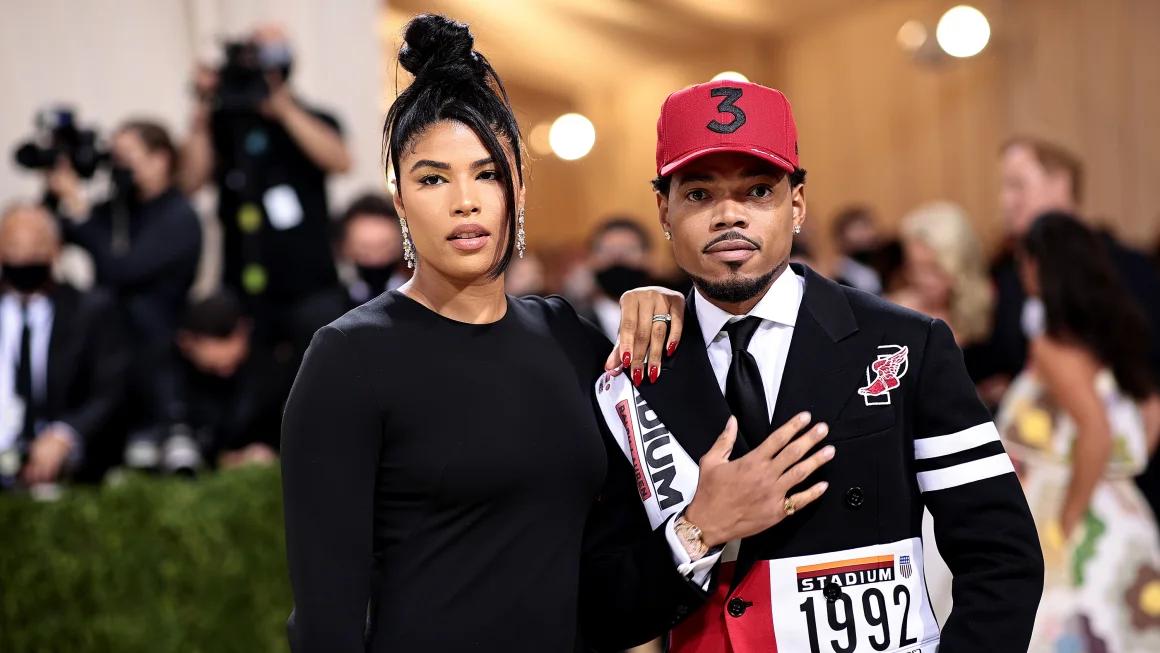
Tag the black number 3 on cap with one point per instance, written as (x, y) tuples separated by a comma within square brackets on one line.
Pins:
[(731, 95)]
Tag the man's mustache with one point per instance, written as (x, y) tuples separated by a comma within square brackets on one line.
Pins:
[(730, 235)]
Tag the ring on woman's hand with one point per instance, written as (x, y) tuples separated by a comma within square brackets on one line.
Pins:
[(789, 507), (666, 318)]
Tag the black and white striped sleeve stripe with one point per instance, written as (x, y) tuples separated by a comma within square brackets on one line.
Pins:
[(955, 441), (984, 528), (972, 454)]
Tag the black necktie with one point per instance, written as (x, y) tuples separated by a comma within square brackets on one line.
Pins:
[(24, 376), (743, 388)]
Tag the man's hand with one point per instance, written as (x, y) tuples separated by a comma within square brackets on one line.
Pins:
[(46, 457), (742, 497), (204, 83), (197, 158), (643, 339), (279, 103), (63, 182), (204, 87)]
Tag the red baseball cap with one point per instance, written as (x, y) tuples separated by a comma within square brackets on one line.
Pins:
[(726, 116)]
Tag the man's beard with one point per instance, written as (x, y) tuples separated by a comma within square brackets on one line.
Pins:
[(735, 290)]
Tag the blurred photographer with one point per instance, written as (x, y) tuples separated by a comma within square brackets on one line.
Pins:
[(269, 154), (145, 240)]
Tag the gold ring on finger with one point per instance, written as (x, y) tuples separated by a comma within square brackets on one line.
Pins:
[(789, 507)]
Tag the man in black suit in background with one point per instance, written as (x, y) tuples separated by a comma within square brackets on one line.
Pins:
[(62, 361)]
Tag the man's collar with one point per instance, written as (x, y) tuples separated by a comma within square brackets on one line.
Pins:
[(39, 305), (779, 304)]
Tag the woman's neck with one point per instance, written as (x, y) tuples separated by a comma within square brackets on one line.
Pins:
[(479, 301)]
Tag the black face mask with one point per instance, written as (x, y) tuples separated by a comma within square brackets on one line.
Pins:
[(376, 277), (27, 278), (125, 188), (864, 256), (619, 279)]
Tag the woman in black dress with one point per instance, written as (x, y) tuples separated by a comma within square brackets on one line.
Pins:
[(441, 457)]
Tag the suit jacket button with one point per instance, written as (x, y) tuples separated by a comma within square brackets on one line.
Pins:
[(832, 592), (737, 607), (855, 497)]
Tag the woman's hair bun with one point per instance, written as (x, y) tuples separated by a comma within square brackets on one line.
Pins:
[(436, 43)]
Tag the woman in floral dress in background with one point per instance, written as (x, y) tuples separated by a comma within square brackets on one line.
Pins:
[(1080, 422)]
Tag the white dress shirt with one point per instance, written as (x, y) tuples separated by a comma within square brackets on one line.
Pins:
[(40, 316), (778, 310), (607, 316)]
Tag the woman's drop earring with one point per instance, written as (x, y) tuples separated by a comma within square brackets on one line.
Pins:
[(797, 229), (408, 246), (521, 236), (668, 235)]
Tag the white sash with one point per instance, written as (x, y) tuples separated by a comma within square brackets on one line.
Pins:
[(666, 477)]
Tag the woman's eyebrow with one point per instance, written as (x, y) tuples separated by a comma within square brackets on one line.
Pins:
[(438, 165)]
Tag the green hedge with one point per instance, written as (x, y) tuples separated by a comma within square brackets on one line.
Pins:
[(149, 564)]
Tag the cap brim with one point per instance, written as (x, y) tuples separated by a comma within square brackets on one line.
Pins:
[(671, 167)]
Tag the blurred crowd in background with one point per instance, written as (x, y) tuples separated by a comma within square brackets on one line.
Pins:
[(139, 372)]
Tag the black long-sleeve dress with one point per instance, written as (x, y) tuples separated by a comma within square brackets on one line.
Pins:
[(443, 482)]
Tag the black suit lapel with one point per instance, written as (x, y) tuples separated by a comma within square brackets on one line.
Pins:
[(822, 368), (60, 357), (686, 396)]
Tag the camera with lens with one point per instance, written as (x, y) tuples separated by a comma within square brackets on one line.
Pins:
[(59, 136), (243, 81)]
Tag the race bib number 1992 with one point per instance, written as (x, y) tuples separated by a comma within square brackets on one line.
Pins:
[(867, 599)]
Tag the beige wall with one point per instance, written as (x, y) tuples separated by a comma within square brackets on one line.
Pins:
[(876, 127), (1089, 77)]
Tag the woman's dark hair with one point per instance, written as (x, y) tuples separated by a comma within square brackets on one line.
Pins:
[(663, 183), (454, 82), (1085, 300), (155, 138)]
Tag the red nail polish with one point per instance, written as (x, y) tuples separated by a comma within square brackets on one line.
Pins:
[(653, 373), (637, 377), (627, 360), (672, 348)]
